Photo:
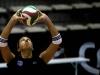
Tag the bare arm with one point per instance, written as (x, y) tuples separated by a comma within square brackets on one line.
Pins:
[(7, 29), (50, 51), (5, 51)]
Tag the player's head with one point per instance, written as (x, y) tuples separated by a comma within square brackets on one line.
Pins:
[(25, 44)]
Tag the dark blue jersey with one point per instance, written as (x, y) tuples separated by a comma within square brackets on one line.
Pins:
[(20, 65)]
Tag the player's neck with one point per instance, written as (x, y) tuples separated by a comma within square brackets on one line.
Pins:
[(26, 54)]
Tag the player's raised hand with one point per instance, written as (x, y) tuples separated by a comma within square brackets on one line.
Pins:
[(17, 16)]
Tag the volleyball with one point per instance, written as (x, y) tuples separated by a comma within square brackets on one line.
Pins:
[(31, 13)]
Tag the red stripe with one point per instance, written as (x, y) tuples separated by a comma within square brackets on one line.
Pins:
[(29, 13)]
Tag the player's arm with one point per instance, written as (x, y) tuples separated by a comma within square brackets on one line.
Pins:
[(4, 49), (56, 39)]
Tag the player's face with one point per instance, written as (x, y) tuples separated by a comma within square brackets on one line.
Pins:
[(25, 43)]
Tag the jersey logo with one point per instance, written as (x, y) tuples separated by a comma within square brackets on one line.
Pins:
[(20, 63), (34, 62)]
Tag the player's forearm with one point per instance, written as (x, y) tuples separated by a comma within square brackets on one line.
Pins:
[(56, 37), (51, 27), (7, 29)]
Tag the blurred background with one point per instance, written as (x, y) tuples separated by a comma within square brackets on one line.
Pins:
[(78, 22)]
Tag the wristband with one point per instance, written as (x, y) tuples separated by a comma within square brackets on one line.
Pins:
[(57, 39), (3, 42)]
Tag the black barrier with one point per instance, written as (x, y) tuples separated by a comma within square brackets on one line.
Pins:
[(85, 43)]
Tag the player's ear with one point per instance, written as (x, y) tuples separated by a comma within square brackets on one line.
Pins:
[(18, 47), (18, 50)]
